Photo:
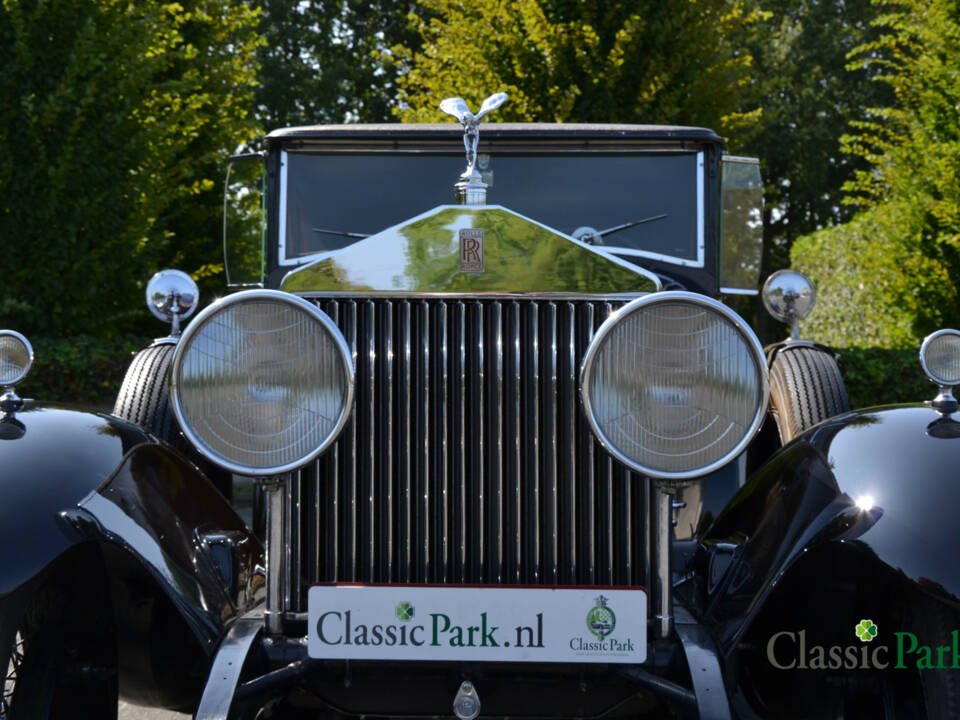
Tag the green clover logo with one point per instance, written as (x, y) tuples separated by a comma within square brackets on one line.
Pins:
[(866, 630), (405, 611)]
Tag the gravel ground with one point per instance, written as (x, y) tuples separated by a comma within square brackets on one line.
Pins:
[(135, 712)]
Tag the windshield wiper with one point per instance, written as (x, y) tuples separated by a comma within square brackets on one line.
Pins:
[(341, 233), (594, 237)]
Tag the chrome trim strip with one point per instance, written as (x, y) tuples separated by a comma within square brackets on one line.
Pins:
[(278, 557), (739, 291), (704, 663), (225, 671), (661, 599), (282, 258)]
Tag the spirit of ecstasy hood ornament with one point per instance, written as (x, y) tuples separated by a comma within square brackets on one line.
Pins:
[(471, 190)]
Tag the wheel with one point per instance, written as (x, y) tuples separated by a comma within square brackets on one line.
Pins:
[(59, 657), (144, 399), (805, 388)]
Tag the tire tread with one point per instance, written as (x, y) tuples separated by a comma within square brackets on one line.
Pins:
[(806, 388)]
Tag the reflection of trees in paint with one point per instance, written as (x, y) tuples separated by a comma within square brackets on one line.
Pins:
[(518, 256)]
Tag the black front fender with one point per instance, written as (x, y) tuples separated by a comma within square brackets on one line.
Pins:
[(58, 458), (880, 483), (179, 563)]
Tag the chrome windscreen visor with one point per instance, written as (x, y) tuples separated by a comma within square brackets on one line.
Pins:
[(940, 357), (674, 385), (262, 382), (16, 357)]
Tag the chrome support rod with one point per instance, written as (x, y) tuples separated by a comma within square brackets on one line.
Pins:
[(661, 610), (276, 553)]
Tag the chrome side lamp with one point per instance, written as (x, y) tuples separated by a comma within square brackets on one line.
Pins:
[(16, 358), (940, 360), (789, 295), (172, 296)]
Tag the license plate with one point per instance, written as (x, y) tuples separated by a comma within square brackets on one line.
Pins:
[(470, 623)]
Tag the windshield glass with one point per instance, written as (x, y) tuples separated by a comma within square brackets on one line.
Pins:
[(641, 204)]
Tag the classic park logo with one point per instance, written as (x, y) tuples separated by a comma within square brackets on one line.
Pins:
[(789, 650), (601, 620)]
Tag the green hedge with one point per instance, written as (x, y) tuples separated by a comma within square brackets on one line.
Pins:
[(878, 376), (82, 369)]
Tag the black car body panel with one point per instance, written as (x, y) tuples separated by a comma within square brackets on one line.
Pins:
[(180, 563), (61, 456), (880, 483)]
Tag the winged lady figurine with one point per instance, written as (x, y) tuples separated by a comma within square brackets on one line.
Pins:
[(471, 124)]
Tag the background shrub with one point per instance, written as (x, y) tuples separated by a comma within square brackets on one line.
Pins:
[(81, 369)]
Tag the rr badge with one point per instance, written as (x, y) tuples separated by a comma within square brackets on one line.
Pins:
[(471, 250)]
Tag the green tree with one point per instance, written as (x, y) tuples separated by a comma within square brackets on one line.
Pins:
[(679, 61), (892, 269), (325, 61), (810, 99), (113, 117)]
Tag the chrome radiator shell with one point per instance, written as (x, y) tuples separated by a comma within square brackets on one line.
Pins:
[(467, 458)]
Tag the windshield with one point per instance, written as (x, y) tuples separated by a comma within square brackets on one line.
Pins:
[(639, 204)]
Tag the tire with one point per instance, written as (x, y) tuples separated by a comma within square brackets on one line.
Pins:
[(59, 658), (805, 388), (144, 400)]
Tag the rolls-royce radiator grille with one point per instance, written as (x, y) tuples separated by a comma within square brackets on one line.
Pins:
[(467, 458)]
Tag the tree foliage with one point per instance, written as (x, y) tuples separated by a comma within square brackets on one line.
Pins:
[(114, 117), (679, 61), (324, 60), (892, 269), (810, 100)]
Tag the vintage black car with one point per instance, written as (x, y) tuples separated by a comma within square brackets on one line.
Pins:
[(513, 460)]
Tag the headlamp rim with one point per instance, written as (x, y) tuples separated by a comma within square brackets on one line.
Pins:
[(673, 296), (26, 369), (923, 356), (259, 294)]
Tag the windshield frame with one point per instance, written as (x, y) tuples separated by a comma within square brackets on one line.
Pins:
[(287, 261)]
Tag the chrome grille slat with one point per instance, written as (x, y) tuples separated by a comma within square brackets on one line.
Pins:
[(441, 512), (548, 465), (530, 433), (513, 473), (467, 458), (405, 406)]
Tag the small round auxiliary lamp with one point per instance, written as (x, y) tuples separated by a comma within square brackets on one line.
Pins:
[(788, 295), (940, 359), (16, 358), (172, 296)]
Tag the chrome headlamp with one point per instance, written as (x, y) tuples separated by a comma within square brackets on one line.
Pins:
[(674, 385), (262, 382)]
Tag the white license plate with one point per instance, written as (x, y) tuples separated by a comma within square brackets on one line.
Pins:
[(470, 623)]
